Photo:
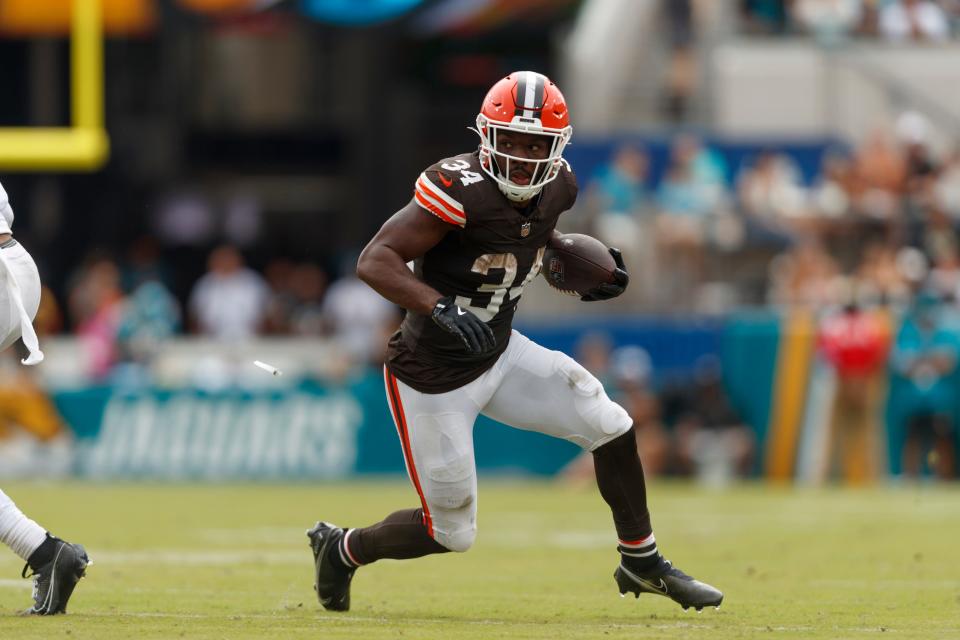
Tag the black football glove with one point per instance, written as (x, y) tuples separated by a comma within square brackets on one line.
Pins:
[(477, 337), (609, 290)]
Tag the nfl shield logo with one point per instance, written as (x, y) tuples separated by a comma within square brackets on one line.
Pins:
[(524, 229)]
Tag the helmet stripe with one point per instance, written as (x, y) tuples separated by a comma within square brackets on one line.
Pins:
[(538, 92), (530, 90), (521, 95)]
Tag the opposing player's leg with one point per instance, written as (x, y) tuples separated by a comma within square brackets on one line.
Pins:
[(57, 566), (549, 392), (436, 435), (19, 299)]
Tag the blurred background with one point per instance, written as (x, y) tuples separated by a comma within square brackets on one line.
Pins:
[(782, 176)]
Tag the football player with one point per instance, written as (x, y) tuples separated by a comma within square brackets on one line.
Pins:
[(476, 229), (57, 566)]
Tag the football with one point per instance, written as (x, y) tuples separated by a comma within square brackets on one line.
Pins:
[(576, 263)]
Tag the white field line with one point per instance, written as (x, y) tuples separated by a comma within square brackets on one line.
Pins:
[(200, 557), (7, 583)]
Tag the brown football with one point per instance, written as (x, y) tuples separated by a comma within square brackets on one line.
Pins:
[(575, 263)]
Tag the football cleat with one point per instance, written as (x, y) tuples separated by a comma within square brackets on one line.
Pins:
[(53, 584), (331, 583), (672, 583)]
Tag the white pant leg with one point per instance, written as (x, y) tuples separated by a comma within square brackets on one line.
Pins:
[(17, 531), (19, 300), (549, 392), (436, 432)]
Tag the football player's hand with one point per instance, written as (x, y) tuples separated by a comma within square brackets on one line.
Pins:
[(609, 290), (476, 336)]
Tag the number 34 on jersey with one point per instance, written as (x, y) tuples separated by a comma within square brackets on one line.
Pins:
[(467, 177)]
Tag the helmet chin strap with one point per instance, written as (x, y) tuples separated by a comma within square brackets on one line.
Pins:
[(517, 196)]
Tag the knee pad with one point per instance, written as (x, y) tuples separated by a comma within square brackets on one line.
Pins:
[(605, 417), (450, 472), (458, 540)]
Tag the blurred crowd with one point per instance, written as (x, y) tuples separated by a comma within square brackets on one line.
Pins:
[(123, 311), (874, 222), (685, 423), (833, 20)]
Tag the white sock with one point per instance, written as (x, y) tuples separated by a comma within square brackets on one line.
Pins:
[(17, 531)]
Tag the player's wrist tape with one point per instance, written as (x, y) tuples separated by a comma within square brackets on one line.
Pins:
[(442, 304)]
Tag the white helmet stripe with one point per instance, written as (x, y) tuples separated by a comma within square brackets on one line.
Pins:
[(529, 99)]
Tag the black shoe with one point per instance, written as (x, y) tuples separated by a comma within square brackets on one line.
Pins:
[(332, 583), (669, 582), (53, 584)]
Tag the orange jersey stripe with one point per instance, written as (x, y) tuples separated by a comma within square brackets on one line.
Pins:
[(435, 210), (448, 204)]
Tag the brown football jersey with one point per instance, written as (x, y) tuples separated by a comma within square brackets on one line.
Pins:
[(491, 252)]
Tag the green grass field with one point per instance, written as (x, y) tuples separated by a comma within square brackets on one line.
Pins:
[(233, 562)]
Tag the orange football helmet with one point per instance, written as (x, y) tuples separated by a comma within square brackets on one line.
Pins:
[(523, 102)]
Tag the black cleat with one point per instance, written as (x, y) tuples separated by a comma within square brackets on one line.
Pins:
[(331, 583), (672, 583), (53, 584)]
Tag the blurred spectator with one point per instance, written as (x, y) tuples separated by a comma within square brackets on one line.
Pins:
[(49, 319), (828, 20), (879, 280), (902, 20), (631, 368), (713, 442), (308, 284), (150, 317), (805, 275), (355, 315), (940, 241), (143, 264), (282, 301), (771, 190), (229, 301), (619, 197), (831, 193), (881, 171), (925, 358), (682, 68), (593, 351), (855, 342), (764, 17), (946, 190), (691, 192), (96, 305)]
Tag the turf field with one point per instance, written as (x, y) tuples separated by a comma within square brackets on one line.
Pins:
[(233, 562)]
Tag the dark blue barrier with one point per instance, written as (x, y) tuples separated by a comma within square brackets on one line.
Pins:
[(588, 156), (674, 343)]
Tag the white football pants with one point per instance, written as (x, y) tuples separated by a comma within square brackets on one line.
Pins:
[(530, 388), (19, 300)]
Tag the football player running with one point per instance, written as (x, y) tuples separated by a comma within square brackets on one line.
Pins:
[(56, 565), (476, 230)]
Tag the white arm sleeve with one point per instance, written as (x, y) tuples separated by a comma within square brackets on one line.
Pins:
[(6, 212)]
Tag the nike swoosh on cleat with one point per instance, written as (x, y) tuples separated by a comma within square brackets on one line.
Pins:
[(461, 312), (659, 588)]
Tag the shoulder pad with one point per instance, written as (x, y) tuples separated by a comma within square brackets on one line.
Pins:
[(437, 191)]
